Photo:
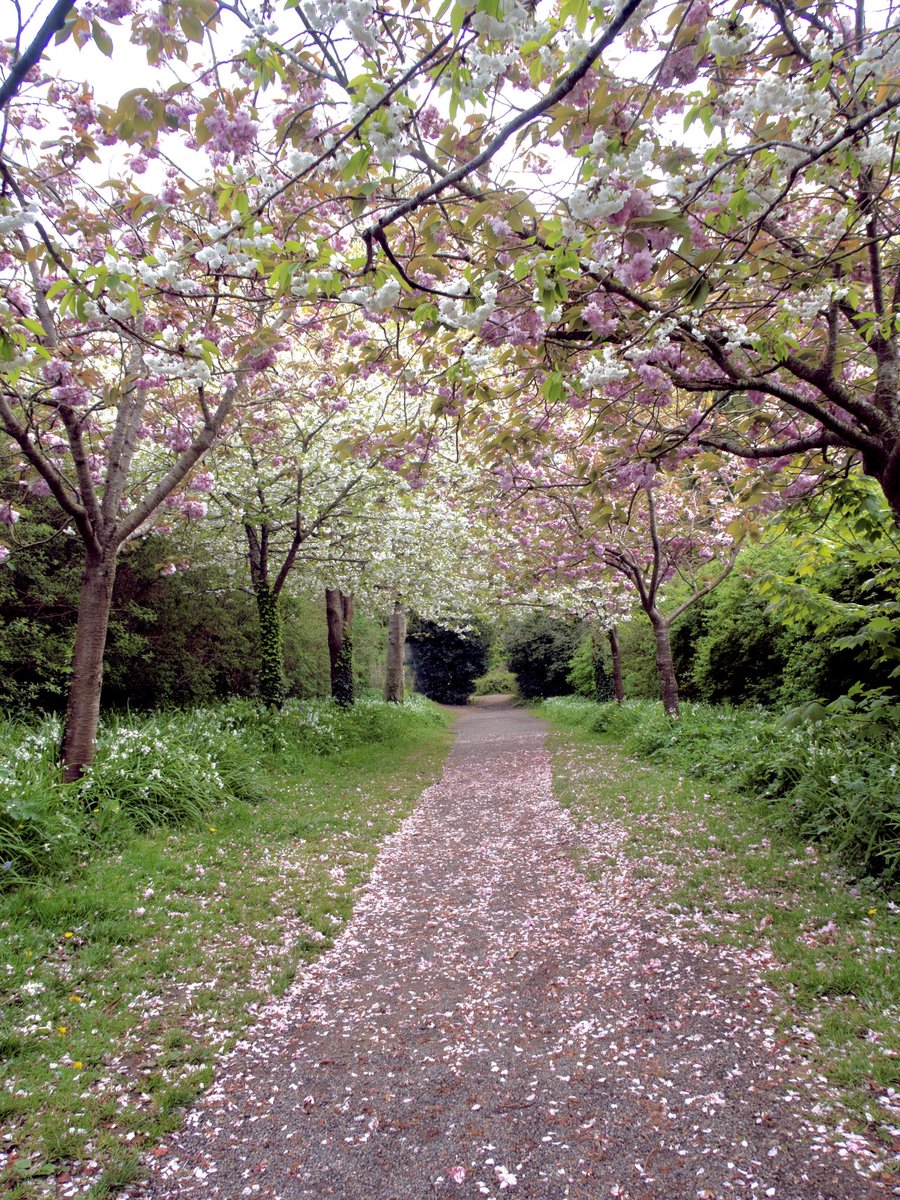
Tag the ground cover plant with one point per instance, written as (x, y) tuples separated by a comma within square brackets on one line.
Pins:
[(730, 863), (128, 970), (828, 771)]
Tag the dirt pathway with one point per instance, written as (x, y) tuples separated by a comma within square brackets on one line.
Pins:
[(490, 1022)]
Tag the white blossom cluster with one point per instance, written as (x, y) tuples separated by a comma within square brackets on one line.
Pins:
[(485, 70), (233, 248), (725, 43), (880, 59), (478, 357), (630, 163), (298, 161), (453, 312), (12, 221), (737, 335), (600, 197), (506, 23), (372, 300), (187, 365), (806, 306), (605, 367), (593, 203), (777, 95), (167, 271), (324, 15)]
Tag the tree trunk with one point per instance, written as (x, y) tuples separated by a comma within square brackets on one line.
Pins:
[(393, 683), (339, 612), (615, 651), (83, 707), (665, 664), (603, 685), (272, 688)]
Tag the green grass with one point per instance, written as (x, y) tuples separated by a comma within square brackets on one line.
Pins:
[(754, 885), (125, 978)]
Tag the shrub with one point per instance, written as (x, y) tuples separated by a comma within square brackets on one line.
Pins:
[(540, 649), (447, 663), (496, 682), (168, 769), (41, 822), (829, 770)]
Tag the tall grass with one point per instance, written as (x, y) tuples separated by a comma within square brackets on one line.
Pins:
[(170, 768), (829, 771)]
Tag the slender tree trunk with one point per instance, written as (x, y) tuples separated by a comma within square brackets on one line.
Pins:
[(615, 651), (665, 664), (272, 688), (83, 708), (339, 613), (393, 683), (603, 686)]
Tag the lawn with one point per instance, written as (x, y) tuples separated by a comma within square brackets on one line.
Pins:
[(719, 861), (126, 978)]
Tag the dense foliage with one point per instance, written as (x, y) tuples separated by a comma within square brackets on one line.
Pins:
[(539, 649), (181, 632), (829, 771), (167, 769), (447, 662)]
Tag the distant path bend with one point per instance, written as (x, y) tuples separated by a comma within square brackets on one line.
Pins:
[(492, 1023)]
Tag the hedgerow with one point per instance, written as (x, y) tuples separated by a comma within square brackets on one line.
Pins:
[(828, 770), (171, 768)]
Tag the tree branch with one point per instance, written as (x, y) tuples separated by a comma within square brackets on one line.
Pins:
[(54, 21)]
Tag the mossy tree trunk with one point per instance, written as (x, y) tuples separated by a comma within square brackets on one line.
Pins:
[(270, 675), (393, 682), (603, 685), (269, 670), (616, 653), (339, 614)]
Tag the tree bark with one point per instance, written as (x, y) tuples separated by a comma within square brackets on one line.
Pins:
[(393, 683), (272, 687), (615, 651), (603, 685), (83, 708), (339, 613), (665, 664)]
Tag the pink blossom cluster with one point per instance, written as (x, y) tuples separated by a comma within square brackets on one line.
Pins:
[(231, 134), (64, 387)]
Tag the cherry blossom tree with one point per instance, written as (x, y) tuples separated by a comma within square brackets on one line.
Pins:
[(515, 185), (631, 527), (123, 351), (731, 287)]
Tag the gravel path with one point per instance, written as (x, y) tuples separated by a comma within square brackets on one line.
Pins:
[(490, 1022)]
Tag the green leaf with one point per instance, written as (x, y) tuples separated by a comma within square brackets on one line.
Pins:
[(357, 163), (61, 285), (102, 40), (191, 25)]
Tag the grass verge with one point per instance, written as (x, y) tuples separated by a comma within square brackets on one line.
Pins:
[(715, 856), (124, 980)]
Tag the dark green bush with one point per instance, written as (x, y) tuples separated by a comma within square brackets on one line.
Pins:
[(539, 650), (446, 662), (496, 682)]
